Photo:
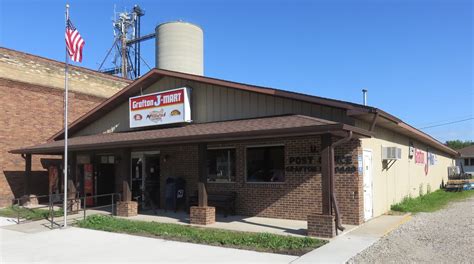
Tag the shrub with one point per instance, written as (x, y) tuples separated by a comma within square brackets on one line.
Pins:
[(420, 190)]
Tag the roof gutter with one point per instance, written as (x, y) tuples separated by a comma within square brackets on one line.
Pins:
[(411, 129)]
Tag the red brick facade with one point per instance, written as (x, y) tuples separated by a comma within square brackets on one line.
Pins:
[(30, 114), (296, 198)]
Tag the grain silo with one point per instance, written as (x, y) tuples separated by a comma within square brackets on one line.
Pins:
[(179, 47)]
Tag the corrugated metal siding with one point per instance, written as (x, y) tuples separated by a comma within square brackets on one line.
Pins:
[(211, 103)]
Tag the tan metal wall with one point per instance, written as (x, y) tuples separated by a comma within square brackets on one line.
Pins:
[(405, 177), (212, 103)]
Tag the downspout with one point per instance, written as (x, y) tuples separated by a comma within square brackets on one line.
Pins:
[(331, 177)]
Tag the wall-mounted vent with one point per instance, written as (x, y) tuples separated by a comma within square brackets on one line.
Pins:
[(391, 153)]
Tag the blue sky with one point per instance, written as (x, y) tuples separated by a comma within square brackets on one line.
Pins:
[(414, 56)]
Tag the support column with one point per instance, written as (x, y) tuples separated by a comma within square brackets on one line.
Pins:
[(27, 177), (125, 207), (122, 169), (323, 225), (202, 214), (325, 173)]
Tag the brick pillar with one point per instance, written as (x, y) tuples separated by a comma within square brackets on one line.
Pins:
[(127, 208), (320, 225), (202, 215), (74, 206)]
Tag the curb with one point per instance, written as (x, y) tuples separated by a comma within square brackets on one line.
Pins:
[(407, 217)]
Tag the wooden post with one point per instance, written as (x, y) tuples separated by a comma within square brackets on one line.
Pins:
[(71, 189), (27, 176), (73, 164), (326, 165), (126, 193), (202, 163), (202, 195), (122, 173)]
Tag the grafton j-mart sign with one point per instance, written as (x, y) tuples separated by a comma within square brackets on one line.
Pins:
[(161, 108)]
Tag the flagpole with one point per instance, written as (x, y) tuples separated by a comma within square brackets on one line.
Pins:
[(65, 126)]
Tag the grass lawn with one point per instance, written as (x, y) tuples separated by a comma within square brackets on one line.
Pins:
[(27, 213), (210, 236), (430, 202)]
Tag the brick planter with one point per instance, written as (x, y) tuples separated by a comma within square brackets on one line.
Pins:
[(321, 225), (202, 215), (29, 200), (74, 206), (127, 209)]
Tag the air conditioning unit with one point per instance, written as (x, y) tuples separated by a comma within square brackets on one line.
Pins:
[(453, 171), (391, 153)]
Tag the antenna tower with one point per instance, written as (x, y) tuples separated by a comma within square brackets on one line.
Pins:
[(126, 46)]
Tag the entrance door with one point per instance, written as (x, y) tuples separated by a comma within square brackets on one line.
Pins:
[(105, 182), (145, 179), (137, 179), (152, 180), (368, 199)]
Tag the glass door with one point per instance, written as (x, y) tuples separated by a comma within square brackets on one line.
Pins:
[(137, 180), (145, 179)]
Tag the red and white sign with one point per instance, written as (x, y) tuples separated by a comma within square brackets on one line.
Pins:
[(161, 108), (419, 156)]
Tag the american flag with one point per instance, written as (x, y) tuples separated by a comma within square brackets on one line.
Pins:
[(74, 42)]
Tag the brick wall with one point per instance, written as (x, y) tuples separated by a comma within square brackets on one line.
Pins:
[(181, 161), (30, 114), (28, 68), (296, 198)]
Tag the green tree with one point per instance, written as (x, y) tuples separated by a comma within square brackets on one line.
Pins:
[(459, 144)]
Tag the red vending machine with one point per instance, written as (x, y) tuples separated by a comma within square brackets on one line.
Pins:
[(88, 184)]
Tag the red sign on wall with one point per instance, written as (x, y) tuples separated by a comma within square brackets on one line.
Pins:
[(420, 156), (161, 108), (156, 100)]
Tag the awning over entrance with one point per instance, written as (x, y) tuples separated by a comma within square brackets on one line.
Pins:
[(277, 126)]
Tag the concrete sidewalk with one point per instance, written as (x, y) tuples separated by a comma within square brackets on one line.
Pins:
[(343, 247), (84, 245)]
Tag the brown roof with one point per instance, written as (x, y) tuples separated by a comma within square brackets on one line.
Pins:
[(288, 125), (467, 151), (156, 74)]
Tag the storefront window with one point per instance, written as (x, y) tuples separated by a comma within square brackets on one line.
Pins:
[(221, 165), (107, 159), (266, 164)]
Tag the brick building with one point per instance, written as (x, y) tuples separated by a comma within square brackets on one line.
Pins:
[(31, 89), (282, 154)]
